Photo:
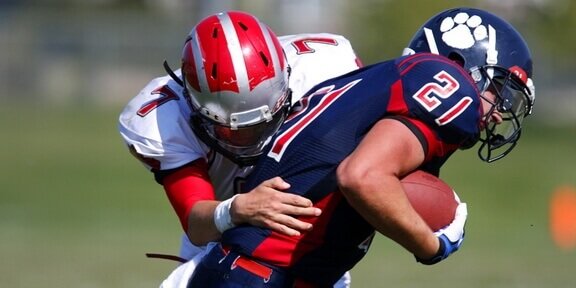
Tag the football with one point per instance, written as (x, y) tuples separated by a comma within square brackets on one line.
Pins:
[(431, 197)]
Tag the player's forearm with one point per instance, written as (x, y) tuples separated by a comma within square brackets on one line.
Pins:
[(396, 219), (201, 228), (369, 179), (390, 213)]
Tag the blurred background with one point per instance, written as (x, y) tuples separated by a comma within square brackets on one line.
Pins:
[(76, 210)]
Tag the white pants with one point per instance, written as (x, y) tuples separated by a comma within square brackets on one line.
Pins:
[(179, 277)]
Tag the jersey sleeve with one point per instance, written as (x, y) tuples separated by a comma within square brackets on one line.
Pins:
[(186, 186), (316, 57), (444, 100), (154, 125)]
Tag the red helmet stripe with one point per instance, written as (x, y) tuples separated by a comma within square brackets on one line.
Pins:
[(237, 52), (219, 65), (189, 66), (250, 38)]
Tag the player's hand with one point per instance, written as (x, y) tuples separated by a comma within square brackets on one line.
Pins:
[(451, 236), (267, 206)]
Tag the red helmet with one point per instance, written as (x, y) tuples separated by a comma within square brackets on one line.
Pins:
[(236, 78)]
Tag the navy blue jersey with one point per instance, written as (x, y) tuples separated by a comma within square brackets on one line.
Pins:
[(433, 96)]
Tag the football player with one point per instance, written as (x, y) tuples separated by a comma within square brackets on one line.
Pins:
[(200, 128), (348, 142)]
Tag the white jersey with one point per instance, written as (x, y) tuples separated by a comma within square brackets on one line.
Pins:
[(155, 123)]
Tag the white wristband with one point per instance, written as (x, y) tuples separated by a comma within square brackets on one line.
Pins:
[(222, 218)]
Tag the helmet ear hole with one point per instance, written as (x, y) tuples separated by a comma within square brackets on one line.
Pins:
[(457, 58)]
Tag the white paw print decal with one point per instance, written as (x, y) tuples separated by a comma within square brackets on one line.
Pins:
[(463, 30)]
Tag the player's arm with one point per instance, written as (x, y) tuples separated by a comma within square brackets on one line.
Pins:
[(191, 194), (370, 180), (267, 206)]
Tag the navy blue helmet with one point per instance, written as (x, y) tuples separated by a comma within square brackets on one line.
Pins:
[(498, 59)]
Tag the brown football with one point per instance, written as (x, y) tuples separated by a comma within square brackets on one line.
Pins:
[(431, 197)]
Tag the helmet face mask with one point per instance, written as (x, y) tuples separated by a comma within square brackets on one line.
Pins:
[(499, 62), (242, 144), (235, 77), (510, 104)]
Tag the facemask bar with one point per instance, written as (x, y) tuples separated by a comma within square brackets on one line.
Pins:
[(240, 160), (494, 145), (204, 128), (512, 103)]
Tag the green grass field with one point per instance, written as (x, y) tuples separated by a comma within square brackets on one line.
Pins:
[(77, 211)]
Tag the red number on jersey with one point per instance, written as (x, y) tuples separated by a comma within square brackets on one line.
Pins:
[(302, 47), (430, 95), (166, 94)]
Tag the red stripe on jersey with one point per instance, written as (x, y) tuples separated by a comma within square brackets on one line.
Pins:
[(166, 94), (436, 147), (397, 105), (186, 186), (282, 251), (284, 139), (302, 105), (302, 46)]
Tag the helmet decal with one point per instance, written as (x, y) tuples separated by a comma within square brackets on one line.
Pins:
[(462, 31), (431, 41), (491, 52), (518, 71)]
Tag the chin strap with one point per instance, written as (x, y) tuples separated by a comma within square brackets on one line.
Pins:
[(172, 74), (166, 257)]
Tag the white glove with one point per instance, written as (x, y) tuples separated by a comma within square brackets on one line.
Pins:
[(455, 230), (451, 236)]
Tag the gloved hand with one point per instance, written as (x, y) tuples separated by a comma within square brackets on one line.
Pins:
[(451, 236)]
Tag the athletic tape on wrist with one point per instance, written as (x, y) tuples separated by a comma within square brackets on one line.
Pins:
[(222, 218)]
